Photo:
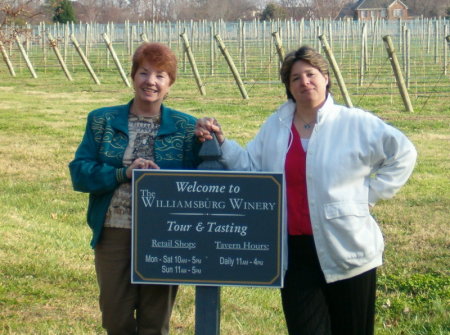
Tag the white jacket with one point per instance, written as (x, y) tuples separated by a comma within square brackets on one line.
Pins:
[(353, 160)]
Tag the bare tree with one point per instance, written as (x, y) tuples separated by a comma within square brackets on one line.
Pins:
[(88, 10), (229, 10), (14, 14), (327, 8), (428, 8), (297, 8), (102, 11)]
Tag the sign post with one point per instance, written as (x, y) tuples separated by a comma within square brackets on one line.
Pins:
[(207, 298)]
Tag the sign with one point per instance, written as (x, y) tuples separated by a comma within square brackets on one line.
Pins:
[(207, 228)]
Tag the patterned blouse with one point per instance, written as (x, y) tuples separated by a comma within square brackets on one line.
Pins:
[(142, 133)]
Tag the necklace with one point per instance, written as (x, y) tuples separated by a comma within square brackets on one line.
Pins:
[(307, 125)]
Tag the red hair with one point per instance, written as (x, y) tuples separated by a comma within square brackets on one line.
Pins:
[(158, 55)]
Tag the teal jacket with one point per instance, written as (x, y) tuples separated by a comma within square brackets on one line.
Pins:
[(97, 168)]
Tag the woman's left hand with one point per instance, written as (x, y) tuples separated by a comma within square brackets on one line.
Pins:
[(205, 127)]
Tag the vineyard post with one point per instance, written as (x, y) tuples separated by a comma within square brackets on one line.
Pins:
[(25, 57), (192, 29), (188, 51), (10, 50), (159, 31), (279, 46), (407, 56), (263, 37), (398, 73), (403, 47), (112, 31), (116, 59), (86, 40), (144, 37), (362, 60), (109, 32), (336, 70), (44, 49), (55, 48), (374, 35), (355, 27), (66, 40), (84, 59), (200, 34), (232, 67), (330, 33), (178, 32), (288, 34), (255, 29), (244, 54), (133, 34), (239, 40), (169, 34), (436, 42), (270, 42), (346, 31), (446, 44), (317, 33), (27, 41), (422, 31), (366, 48), (55, 28), (211, 48), (183, 58), (302, 29), (126, 36), (40, 34), (6, 59), (154, 31)]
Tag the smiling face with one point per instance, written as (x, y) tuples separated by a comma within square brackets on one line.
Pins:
[(307, 85), (151, 84)]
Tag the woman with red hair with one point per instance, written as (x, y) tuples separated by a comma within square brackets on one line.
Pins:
[(143, 134)]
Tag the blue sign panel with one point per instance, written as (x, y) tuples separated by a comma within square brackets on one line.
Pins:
[(207, 228)]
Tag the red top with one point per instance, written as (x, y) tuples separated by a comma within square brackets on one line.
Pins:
[(299, 222)]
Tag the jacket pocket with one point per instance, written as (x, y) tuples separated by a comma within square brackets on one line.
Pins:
[(352, 236), (335, 210)]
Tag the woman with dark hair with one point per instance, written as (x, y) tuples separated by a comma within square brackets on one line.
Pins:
[(143, 134), (337, 162)]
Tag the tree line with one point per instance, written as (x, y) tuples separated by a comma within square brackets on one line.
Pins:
[(19, 12)]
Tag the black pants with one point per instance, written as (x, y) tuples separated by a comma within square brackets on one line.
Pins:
[(313, 307)]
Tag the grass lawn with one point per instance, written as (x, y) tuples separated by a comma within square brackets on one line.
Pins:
[(47, 279)]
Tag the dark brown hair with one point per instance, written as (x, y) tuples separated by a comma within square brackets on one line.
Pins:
[(158, 55), (308, 55)]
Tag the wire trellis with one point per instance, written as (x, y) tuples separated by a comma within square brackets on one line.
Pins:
[(251, 46)]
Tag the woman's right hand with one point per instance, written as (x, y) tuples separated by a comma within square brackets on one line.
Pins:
[(141, 163), (205, 127)]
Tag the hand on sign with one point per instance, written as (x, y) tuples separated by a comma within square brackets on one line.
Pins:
[(141, 163), (205, 126)]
